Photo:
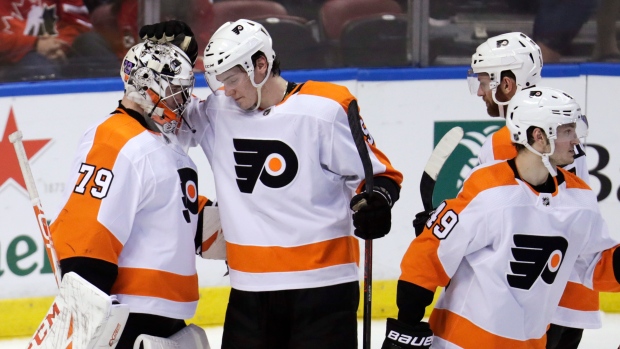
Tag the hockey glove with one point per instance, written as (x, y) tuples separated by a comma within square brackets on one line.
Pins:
[(400, 335), (420, 221), (373, 214), (176, 32)]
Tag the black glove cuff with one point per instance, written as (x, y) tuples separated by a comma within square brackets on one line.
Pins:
[(385, 194), (389, 185)]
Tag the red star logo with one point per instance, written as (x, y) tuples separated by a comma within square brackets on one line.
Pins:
[(10, 165)]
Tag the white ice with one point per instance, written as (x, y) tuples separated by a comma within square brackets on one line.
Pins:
[(607, 337)]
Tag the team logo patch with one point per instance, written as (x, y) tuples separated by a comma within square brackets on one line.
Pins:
[(536, 256), (127, 67), (274, 163), (189, 188)]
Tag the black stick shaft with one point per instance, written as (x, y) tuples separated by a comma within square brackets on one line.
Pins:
[(360, 143)]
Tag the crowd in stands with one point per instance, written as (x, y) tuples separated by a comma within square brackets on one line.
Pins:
[(60, 39)]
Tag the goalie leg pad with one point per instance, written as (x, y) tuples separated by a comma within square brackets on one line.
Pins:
[(82, 316), (191, 337)]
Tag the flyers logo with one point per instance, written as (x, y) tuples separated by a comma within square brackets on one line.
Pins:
[(189, 188), (274, 163), (536, 256)]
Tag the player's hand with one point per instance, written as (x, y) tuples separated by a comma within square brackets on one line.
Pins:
[(373, 214), (176, 32), (420, 221), (399, 335)]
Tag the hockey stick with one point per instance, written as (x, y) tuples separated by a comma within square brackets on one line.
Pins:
[(358, 136), (438, 157), (16, 139)]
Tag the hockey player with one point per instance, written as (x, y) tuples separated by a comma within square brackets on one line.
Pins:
[(287, 172), (502, 66), (505, 247), (132, 210)]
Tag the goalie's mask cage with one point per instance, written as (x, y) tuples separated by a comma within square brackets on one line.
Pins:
[(159, 78), (546, 108), (233, 44), (515, 52)]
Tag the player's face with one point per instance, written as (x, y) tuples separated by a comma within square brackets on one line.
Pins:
[(238, 86), (565, 143), (484, 91)]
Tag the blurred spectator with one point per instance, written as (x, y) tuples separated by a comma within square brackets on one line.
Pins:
[(99, 53), (557, 23), (36, 37), (606, 48)]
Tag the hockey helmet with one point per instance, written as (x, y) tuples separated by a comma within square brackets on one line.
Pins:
[(159, 78)]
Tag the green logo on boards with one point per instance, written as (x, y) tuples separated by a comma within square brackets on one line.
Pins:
[(464, 157)]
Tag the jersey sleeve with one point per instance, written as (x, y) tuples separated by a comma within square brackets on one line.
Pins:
[(344, 159), (106, 191), (602, 256)]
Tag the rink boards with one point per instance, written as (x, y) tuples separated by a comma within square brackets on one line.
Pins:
[(403, 109)]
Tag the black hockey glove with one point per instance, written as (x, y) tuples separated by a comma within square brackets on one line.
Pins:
[(400, 335), (176, 32), (373, 214), (420, 221)]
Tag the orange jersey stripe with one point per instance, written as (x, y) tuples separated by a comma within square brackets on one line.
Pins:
[(76, 231), (462, 332), (261, 259), (578, 297), (503, 148), (604, 277), (156, 283), (342, 95)]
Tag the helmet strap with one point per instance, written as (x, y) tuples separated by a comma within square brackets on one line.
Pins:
[(545, 157), (259, 88), (501, 105)]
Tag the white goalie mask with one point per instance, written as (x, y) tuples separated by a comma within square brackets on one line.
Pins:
[(515, 52), (233, 44), (159, 78), (546, 108)]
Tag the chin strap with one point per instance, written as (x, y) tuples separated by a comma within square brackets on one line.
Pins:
[(545, 158), (258, 91), (500, 105)]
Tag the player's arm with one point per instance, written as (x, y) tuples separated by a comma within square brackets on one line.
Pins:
[(606, 276), (372, 212)]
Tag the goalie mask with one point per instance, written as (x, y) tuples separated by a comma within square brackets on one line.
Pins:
[(512, 51), (159, 78), (233, 44), (547, 109)]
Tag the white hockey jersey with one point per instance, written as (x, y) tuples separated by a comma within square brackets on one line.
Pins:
[(505, 253), (579, 306), (284, 177), (132, 201)]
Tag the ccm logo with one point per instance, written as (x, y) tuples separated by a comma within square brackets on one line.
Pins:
[(114, 335), (413, 341)]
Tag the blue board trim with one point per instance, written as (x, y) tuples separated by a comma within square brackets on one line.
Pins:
[(378, 74)]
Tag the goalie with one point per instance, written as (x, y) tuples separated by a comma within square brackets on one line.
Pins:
[(129, 225)]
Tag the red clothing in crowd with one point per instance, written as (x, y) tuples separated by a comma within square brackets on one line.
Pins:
[(24, 20)]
